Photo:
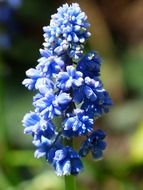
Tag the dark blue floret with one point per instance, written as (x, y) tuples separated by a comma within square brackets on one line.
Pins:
[(98, 107), (94, 144), (90, 64), (94, 98)]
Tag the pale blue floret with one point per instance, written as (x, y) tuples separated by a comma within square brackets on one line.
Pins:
[(71, 78), (77, 125), (37, 80), (47, 148), (30, 122), (43, 147), (49, 64), (38, 127), (49, 104), (41, 76), (66, 161)]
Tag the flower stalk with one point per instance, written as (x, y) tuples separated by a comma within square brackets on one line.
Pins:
[(70, 182)]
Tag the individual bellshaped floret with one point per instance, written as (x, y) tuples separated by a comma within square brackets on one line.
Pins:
[(77, 125), (49, 64), (49, 104), (46, 148), (68, 87), (66, 161), (94, 144), (94, 98), (71, 78), (37, 80), (90, 64), (37, 126), (97, 108)]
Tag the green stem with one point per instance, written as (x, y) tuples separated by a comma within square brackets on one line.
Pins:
[(70, 181)]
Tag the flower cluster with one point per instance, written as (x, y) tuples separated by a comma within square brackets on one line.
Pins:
[(68, 87)]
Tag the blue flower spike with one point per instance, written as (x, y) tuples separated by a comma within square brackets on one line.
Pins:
[(67, 85)]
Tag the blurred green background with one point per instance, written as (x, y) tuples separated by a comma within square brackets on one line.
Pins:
[(117, 34)]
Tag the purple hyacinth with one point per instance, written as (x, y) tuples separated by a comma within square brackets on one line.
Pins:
[(68, 87)]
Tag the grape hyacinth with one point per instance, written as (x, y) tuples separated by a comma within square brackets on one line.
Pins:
[(67, 86)]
